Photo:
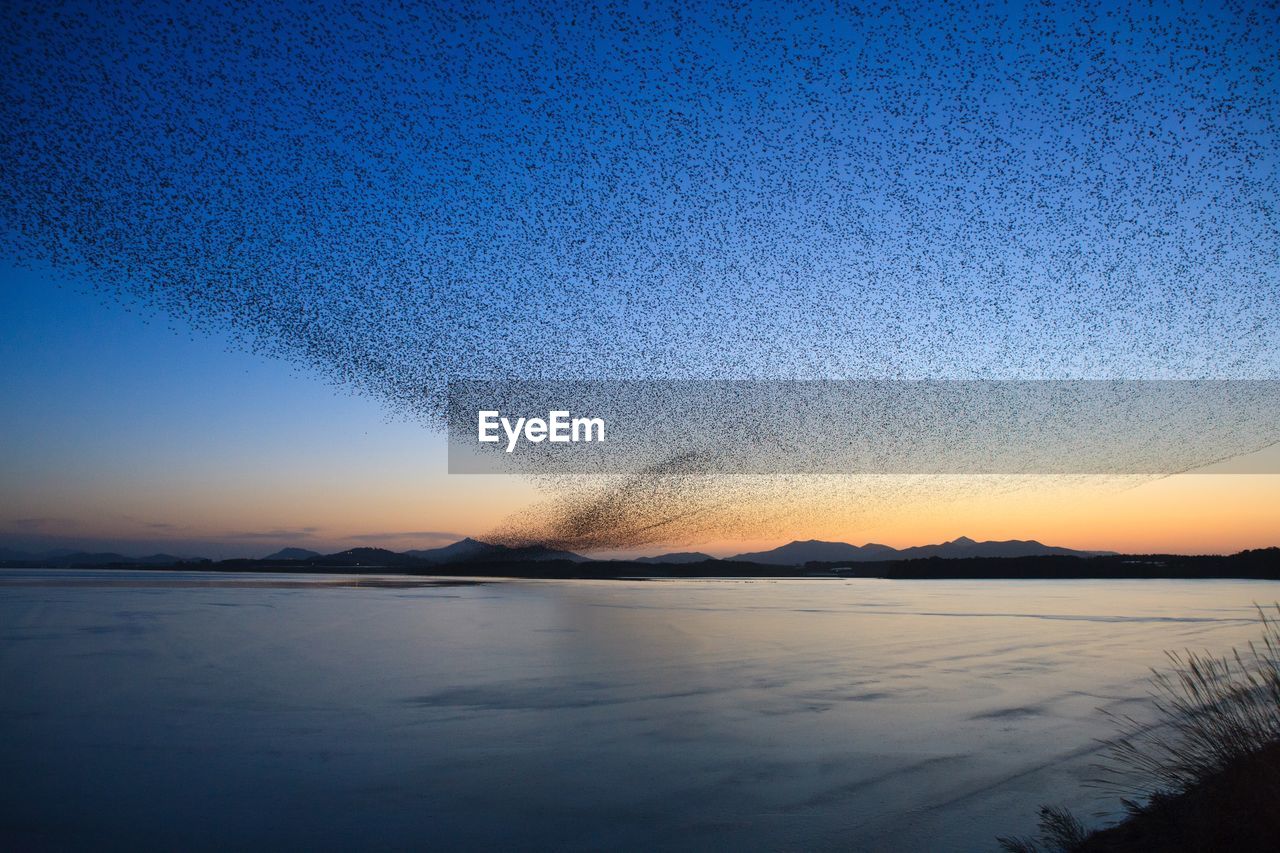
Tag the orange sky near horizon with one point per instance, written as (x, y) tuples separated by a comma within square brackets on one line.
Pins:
[(1188, 513)]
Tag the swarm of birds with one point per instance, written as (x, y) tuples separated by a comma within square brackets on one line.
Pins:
[(396, 195)]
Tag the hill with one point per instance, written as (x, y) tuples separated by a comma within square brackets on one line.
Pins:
[(676, 558), (472, 549), (813, 550), (292, 554)]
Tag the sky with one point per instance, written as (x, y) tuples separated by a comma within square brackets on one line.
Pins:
[(129, 432), (245, 246)]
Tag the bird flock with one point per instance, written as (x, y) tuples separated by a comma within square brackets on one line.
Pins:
[(396, 195)]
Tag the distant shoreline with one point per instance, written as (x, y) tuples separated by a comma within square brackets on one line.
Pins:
[(1259, 564)]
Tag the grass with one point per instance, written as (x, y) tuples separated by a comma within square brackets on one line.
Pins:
[(1205, 775)]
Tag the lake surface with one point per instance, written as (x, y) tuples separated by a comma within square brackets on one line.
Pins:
[(208, 710)]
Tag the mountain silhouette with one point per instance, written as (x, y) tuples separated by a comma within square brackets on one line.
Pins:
[(467, 550), (475, 551), (813, 550), (798, 553), (463, 549), (676, 557), (292, 554), (63, 558), (966, 547)]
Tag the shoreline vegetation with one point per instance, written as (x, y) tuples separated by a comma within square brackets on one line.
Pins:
[(1204, 775), (534, 562)]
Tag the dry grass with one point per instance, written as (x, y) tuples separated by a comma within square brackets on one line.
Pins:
[(1215, 716), (1212, 712)]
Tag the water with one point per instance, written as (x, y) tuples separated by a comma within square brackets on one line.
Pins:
[(193, 711)]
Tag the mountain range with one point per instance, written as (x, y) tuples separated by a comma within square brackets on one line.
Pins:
[(467, 550), (66, 557), (798, 553), (472, 549), (792, 554)]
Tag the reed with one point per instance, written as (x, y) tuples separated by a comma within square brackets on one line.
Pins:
[(1214, 716)]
